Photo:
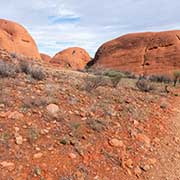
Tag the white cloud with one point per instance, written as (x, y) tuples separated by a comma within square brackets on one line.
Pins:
[(97, 21)]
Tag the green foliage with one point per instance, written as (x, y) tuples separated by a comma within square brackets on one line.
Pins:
[(115, 77)]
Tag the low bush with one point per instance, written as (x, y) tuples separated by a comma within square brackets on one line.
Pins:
[(176, 77), (115, 77), (160, 79), (36, 72), (144, 85), (94, 82), (25, 67), (129, 75), (7, 69)]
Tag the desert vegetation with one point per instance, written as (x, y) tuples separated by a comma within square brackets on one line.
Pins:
[(57, 115), (8, 69), (176, 76)]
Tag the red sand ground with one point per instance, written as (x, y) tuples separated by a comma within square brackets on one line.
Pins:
[(107, 134)]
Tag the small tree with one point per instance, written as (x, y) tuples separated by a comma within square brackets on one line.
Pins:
[(176, 75)]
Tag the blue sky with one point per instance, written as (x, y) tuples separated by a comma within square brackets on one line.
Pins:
[(58, 24)]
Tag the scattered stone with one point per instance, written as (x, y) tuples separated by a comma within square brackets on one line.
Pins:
[(176, 140), (9, 165), (15, 115), (129, 163), (52, 109), (18, 139), (16, 129), (145, 167), (116, 143), (38, 155), (144, 139), (138, 171), (3, 114), (152, 161), (163, 105), (2, 106), (72, 155), (37, 171)]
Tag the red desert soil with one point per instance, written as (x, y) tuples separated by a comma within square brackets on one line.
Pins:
[(142, 53), (168, 151), (45, 57), (15, 39), (74, 58), (56, 129)]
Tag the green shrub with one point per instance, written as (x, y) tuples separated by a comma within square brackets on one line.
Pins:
[(112, 73), (115, 77), (129, 75)]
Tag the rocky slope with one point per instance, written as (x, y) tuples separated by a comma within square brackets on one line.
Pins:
[(142, 53), (54, 128), (73, 58), (15, 39)]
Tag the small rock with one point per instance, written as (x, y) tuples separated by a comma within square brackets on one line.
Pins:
[(52, 109), (38, 155), (138, 171), (16, 129), (18, 139), (15, 115), (72, 155), (3, 114), (177, 140), (116, 143), (144, 139), (2, 105), (145, 167), (37, 149), (152, 161), (9, 165), (129, 163)]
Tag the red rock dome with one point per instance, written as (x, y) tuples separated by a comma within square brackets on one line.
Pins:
[(15, 38), (73, 58), (45, 57), (148, 53)]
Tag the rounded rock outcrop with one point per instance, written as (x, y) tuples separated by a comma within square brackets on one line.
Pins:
[(15, 39), (45, 57), (141, 53), (74, 58)]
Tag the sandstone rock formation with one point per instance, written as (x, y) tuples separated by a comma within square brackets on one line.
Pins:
[(142, 53), (45, 57), (15, 39), (74, 58)]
